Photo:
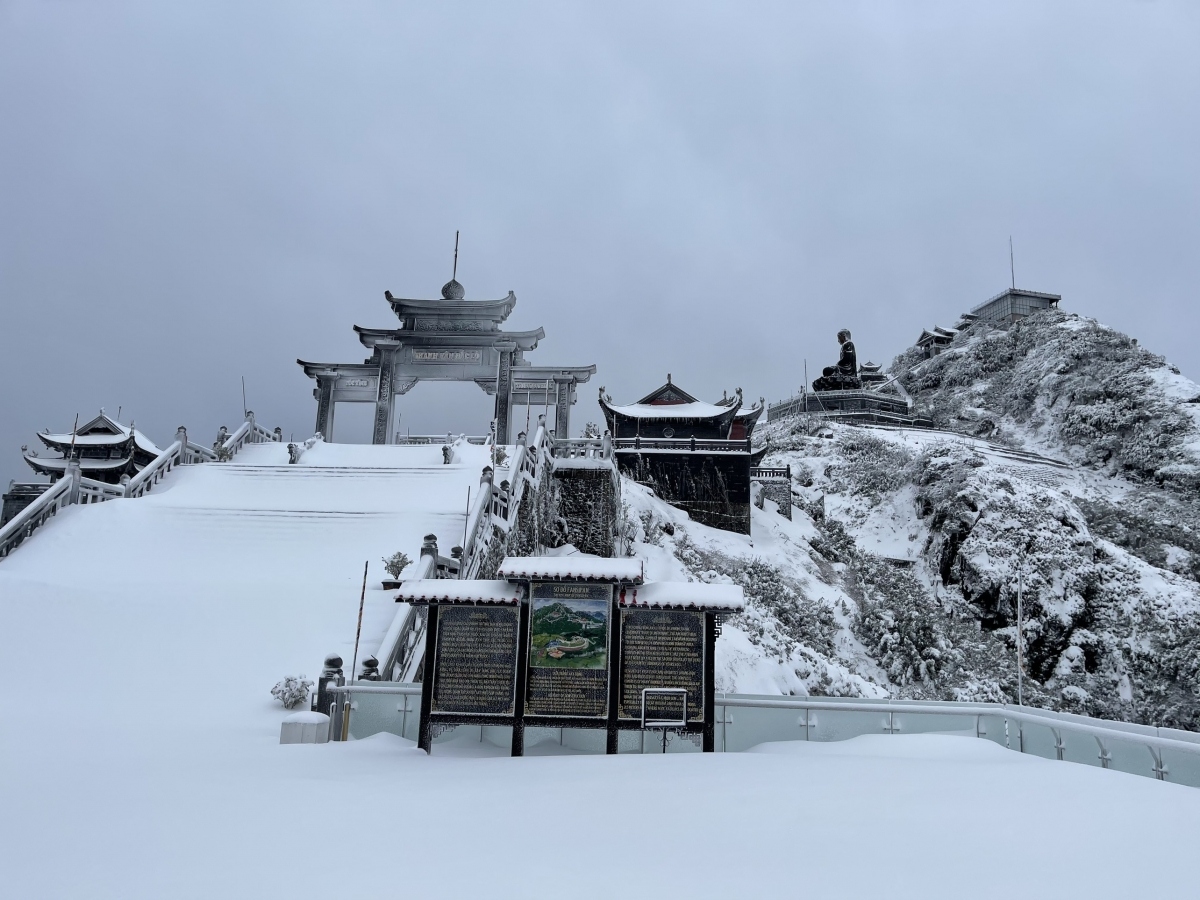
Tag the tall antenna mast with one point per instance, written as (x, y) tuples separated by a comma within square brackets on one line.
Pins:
[(1011, 268), (454, 274)]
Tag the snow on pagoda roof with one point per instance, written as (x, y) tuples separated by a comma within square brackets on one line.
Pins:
[(572, 568), (687, 595), (451, 590), (695, 410), (86, 464), (102, 431)]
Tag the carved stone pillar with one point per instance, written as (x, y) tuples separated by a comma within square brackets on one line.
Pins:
[(324, 395), (504, 392), (562, 408), (385, 399)]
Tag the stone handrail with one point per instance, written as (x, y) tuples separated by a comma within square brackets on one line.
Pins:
[(36, 514), (295, 451), (496, 507), (403, 637), (681, 445), (249, 432), (584, 448), (142, 483), (73, 488), (478, 440)]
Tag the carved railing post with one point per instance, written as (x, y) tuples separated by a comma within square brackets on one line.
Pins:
[(181, 437), (74, 475), (430, 548)]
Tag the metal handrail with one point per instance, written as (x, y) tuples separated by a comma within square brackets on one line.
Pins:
[(1023, 715)]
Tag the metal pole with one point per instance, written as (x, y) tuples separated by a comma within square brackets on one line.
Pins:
[(465, 521), (1020, 641), (361, 599)]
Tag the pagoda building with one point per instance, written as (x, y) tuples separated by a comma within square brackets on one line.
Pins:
[(451, 339), (695, 455), (105, 448)]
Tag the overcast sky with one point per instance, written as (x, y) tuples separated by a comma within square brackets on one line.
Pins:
[(193, 193)]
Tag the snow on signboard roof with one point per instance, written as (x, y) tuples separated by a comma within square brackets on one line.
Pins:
[(687, 595), (451, 590), (569, 568)]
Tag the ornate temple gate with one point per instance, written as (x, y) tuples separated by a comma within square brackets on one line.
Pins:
[(451, 339)]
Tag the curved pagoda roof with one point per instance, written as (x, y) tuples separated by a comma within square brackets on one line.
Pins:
[(102, 431), (671, 402), (426, 315), (104, 447)]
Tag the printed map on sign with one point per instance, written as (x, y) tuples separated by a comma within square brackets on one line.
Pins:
[(569, 634)]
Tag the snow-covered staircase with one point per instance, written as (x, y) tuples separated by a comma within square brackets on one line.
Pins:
[(259, 525)]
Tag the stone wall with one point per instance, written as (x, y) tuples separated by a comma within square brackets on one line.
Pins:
[(714, 489), (779, 490), (589, 501)]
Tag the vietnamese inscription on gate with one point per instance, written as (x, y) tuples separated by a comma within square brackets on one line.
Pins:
[(476, 665), (661, 648), (568, 650)]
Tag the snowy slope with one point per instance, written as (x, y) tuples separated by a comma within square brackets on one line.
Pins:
[(1065, 452), (257, 526)]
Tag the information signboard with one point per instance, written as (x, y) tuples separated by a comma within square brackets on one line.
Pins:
[(661, 648), (476, 663), (568, 650)]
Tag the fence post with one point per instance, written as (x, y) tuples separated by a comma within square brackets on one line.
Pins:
[(181, 436), (74, 475), (430, 548)]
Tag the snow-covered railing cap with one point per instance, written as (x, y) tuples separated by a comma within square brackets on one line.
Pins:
[(450, 591), (572, 568), (687, 595)]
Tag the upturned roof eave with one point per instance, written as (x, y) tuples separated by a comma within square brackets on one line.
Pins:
[(497, 310)]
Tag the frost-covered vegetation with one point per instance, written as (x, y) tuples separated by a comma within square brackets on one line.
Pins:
[(899, 572), (292, 691)]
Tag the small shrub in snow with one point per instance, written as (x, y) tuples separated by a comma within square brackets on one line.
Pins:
[(292, 691), (396, 563)]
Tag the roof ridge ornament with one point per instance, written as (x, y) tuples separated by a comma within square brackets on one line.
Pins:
[(452, 290)]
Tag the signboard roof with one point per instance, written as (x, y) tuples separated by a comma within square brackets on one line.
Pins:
[(687, 595), (572, 568), (451, 590)]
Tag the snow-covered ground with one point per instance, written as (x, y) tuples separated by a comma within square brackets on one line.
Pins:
[(140, 754)]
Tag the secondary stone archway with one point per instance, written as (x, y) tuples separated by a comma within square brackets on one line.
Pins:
[(451, 339)]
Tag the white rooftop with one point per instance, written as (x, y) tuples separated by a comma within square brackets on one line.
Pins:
[(697, 410), (451, 590), (687, 595), (566, 568)]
